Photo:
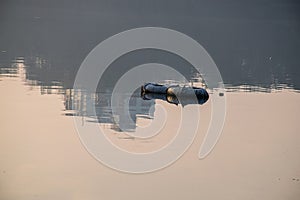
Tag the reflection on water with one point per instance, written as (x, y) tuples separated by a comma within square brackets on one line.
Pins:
[(256, 46), (259, 149), (120, 121), (254, 88), (262, 61), (34, 72)]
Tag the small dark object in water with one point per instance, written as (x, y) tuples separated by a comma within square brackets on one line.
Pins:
[(174, 94)]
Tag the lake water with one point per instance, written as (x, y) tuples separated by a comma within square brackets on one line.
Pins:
[(255, 47)]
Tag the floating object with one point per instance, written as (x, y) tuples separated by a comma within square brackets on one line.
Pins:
[(174, 94)]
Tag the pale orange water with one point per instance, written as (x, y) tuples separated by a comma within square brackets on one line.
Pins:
[(257, 156)]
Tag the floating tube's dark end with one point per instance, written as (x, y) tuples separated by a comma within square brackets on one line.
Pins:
[(202, 95)]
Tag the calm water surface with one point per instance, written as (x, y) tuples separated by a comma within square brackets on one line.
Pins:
[(256, 48)]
